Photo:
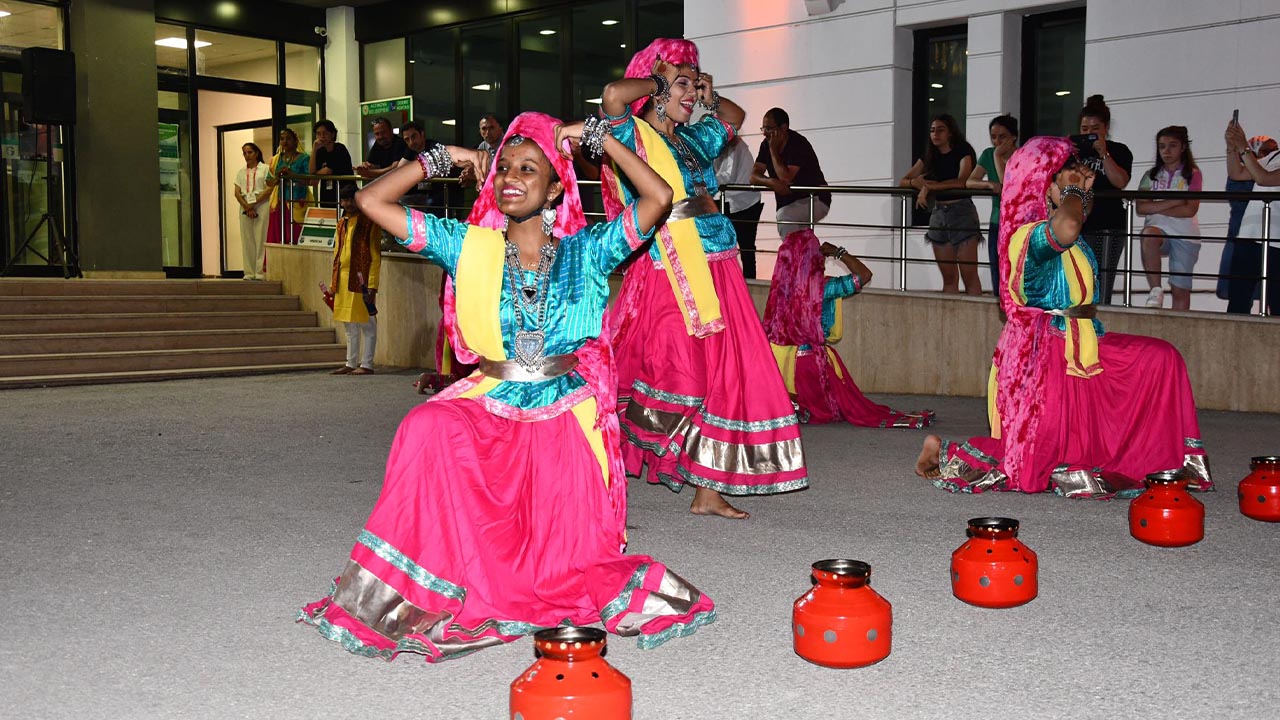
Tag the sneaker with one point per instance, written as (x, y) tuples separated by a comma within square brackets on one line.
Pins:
[(1155, 298)]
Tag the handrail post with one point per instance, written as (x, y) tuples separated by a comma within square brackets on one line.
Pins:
[(811, 199), (902, 243), (1128, 253), (1266, 247)]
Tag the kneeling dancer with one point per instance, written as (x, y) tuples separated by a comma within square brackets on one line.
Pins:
[(504, 502), (1072, 410)]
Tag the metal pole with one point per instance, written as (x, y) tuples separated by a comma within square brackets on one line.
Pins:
[(902, 243), (811, 199), (1128, 255), (1266, 246)]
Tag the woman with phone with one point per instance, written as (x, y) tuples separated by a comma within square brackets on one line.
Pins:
[(1106, 228)]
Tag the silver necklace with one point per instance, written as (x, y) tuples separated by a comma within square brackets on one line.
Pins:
[(690, 160), (530, 301)]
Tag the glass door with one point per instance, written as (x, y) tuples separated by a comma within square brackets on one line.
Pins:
[(177, 206), (31, 186), (231, 142)]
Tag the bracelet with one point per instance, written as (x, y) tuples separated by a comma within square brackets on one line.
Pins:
[(714, 107), (1243, 152), (839, 253), (663, 88), (435, 162), (1086, 196), (594, 131)]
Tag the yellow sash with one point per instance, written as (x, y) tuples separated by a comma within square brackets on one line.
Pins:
[(478, 285), (1082, 339), (679, 244)]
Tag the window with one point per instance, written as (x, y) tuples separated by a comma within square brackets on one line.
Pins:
[(27, 25), (236, 57), (171, 49), (541, 42), (432, 67), (484, 78), (1052, 72), (600, 54), (384, 70), (939, 83), (302, 67), (658, 19)]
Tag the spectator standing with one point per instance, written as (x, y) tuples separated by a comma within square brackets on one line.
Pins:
[(1105, 229), (953, 232), (357, 259), (425, 196), (329, 157), (786, 158), (386, 150), (734, 165), (1256, 159), (288, 199), (251, 194), (490, 133), (989, 175), (1172, 228)]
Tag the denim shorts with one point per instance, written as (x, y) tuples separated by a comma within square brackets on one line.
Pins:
[(1182, 256), (953, 223)]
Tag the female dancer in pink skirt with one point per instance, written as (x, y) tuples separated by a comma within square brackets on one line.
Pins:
[(700, 396), (504, 503), (803, 321), (1072, 410)]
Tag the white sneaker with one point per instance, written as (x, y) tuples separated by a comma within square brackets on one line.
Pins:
[(1155, 298)]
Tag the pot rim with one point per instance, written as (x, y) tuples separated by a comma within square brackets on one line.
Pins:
[(844, 567), (1167, 477), (993, 524), (569, 633), (1265, 460)]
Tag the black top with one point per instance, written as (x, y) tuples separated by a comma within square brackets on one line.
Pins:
[(800, 153), (384, 157), (1108, 213), (338, 160), (946, 166)]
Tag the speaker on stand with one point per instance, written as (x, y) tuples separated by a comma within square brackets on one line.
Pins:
[(49, 98)]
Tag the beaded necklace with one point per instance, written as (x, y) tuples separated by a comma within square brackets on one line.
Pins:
[(530, 302)]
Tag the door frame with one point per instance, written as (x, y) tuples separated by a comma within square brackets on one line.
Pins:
[(223, 190)]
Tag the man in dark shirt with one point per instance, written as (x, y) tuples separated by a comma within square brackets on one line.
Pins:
[(386, 149), (329, 157), (785, 159)]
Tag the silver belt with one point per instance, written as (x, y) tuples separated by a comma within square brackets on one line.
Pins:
[(692, 207), (553, 366), (1082, 312)]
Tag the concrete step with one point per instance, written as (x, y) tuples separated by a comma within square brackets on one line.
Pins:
[(138, 360), (49, 343), (30, 381), (92, 305), (133, 322), (29, 287)]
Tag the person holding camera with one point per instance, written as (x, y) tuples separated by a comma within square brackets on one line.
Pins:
[(1255, 161), (1105, 228)]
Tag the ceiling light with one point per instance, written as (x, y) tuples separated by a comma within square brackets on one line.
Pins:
[(595, 101), (482, 86), (608, 22), (623, 45), (448, 122), (546, 32), (1063, 93), (412, 62), (178, 43), (936, 85), (6, 13), (930, 99)]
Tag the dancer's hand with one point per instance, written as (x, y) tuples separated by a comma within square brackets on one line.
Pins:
[(705, 85), (828, 249), (568, 138)]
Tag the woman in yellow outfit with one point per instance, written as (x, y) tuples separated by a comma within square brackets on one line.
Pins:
[(357, 258)]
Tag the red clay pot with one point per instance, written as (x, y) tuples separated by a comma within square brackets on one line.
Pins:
[(993, 568), (570, 680), (1260, 491), (1166, 514), (841, 622)]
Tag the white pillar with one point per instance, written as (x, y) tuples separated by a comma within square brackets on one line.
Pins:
[(342, 77)]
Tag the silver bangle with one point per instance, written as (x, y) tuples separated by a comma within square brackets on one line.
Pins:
[(594, 130), (714, 107), (1086, 196), (840, 253), (435, 162)]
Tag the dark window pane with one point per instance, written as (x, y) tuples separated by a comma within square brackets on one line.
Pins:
[(541, 43), (484, 78), (1053, 90), (658, 19), (599, 55), (433, 68), (946, 77)]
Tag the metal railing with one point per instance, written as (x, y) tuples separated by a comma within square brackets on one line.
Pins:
[(902, 229)]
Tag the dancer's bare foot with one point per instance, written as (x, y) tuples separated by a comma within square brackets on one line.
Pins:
[(930, 457), (710, 502)]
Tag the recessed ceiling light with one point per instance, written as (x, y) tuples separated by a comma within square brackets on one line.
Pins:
[(936, 85), (6, 13), (482, 86), (178, 43), (608, 22), (1063, 93), (448, 122), (930, 99), (595, 101), (546, 32), (623, 45)]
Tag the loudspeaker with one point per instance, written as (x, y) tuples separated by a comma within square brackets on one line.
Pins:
[(49, 86)]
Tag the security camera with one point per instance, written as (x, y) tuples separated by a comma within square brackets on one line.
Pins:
[(321, 31)]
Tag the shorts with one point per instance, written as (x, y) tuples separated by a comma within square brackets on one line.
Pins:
[(954, 223), (1182, 254)]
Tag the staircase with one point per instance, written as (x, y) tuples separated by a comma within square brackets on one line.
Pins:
[(80, 332)]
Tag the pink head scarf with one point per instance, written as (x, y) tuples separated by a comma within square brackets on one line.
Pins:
[(541, 129)]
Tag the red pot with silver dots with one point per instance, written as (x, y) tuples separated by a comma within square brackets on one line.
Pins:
[(993, 568), (1165, 514), (1260, 490)]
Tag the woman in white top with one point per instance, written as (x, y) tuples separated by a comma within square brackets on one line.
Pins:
[(1256, 159), (251, 193)]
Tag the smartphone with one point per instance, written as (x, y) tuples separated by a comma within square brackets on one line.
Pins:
[(1235, 116)]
